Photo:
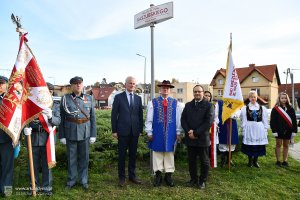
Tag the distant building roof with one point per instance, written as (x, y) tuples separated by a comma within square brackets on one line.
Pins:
[(288, 89), (102, 93), (266, 71)]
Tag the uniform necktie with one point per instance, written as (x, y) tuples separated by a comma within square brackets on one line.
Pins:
[(131, 100)]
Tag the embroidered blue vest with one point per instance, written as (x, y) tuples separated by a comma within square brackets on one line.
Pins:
[(164, 134)]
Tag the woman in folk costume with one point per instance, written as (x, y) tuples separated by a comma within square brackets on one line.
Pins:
[(224, 136), (214, 139), (254, 123), (284, 126)]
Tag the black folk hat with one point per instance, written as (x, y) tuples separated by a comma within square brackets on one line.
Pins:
[(76, 79), (165, 83)]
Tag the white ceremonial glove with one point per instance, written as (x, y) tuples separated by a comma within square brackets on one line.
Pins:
[(48, 112), (275, 134), (92, 140), (293, 135), (27, 131), (63, 141)]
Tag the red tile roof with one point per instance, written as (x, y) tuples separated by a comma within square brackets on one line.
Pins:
[(102, 93), (288, 89), (266, 71)]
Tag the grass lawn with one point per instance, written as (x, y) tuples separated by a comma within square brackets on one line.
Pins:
[(242, 182)]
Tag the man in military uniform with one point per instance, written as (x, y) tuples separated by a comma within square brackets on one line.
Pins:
[(77, 130), (6, 151), (39, 139)]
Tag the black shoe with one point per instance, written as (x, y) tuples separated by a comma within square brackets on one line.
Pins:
[(250, 163), (255, 163), (135, 181), (192, 183), (169, 180), (48, 193), (158, 179), (285, 164), (223, 159), (121, 182), (201, 185), (278, 163)]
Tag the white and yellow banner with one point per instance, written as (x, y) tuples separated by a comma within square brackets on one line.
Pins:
[(232, 96)]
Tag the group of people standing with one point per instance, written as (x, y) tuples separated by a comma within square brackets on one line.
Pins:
[(165, 122), (167, 118), (75, 117)]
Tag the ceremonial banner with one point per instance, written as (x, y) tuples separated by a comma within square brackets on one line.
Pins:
[(27, 93), (232, 96), (50, 145)]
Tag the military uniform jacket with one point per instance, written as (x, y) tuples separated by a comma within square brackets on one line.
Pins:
[(39, 135), (3, 136), (69, 113)]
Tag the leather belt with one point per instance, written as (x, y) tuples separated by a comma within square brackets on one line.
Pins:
[(78, 121)]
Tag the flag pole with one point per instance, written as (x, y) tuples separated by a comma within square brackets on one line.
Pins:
[(16, 20), (229, 149)]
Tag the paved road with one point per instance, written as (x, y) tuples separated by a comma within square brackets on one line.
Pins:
[(295, 151)]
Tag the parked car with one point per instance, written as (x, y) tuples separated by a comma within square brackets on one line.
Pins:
[(298, 114)]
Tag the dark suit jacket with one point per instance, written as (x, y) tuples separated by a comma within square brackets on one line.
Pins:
[(199, 119), (123, 119)]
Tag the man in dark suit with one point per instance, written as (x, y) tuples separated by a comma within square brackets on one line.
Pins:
[(196, 120), (6, 151), (127, 124)]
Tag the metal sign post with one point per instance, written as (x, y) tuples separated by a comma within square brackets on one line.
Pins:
[(150, 17)]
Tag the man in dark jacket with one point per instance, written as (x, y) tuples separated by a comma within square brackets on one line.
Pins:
[(196, 120)]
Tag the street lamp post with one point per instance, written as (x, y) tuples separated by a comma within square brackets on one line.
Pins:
[(144, 77)]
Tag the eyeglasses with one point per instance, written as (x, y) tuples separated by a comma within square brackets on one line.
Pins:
[(198, 91), (207, 95)]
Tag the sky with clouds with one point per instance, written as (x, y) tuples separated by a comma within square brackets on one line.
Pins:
[(96, 39)]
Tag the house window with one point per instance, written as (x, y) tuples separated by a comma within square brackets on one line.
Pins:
[(220, 93), (254, 79), (179, 90), (180, 100), (257, 90), (221, 81)]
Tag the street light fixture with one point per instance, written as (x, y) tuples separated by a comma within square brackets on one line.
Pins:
[(144, 76)]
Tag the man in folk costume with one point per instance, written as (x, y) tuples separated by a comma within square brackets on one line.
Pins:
[(77, 130), (163, 129), (6, 149), (224, 136), (40, 149)]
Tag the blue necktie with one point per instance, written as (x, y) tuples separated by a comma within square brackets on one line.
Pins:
[(131, 101)]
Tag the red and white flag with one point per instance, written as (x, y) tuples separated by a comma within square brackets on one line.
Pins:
[(27, 93)]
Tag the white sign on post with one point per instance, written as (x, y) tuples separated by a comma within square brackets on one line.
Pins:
[(155, 14)]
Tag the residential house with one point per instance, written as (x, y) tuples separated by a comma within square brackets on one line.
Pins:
[(264, 79), (183, 91), (103, 97)]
